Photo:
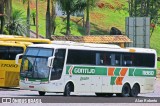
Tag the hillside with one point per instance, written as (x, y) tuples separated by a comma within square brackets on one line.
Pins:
[(106, 14)]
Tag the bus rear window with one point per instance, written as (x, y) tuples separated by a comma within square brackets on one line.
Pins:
[(9, 53)]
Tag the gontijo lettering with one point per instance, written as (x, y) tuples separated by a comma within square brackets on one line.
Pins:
[(84, 70)]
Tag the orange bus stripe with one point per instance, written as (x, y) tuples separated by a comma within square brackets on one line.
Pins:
[(119, 80), (111, 71), (123, 71)]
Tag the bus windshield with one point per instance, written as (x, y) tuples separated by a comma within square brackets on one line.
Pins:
[(34, 63)]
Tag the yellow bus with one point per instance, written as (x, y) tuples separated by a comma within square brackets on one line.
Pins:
[(10, 46), (25, 39), (9, 71), (10, 36)]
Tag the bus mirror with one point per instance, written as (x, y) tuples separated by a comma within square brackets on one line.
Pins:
[(17, 57), (50, 61)]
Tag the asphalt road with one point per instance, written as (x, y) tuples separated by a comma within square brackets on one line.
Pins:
[(78, 98)]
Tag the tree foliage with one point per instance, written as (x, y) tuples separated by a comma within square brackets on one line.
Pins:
[(145, 8), (70, 7), (89, 4), (5, 11), (28, 16), (16, 25)]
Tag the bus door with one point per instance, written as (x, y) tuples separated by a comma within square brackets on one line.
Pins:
[(57, 69), (106, 62), (96, 83)]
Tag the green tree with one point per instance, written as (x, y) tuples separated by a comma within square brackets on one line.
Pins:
[(5, 11), (33, 15), (53, 17), (8, 9), (1, 15), (16, 25), (89, 4), (48, 21), (145, 8), (50, 18), (70, 7), (28, 16)]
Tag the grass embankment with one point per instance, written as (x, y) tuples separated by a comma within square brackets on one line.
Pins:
[(102, 19)]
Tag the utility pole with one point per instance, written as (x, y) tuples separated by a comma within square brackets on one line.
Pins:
[(36, 18)]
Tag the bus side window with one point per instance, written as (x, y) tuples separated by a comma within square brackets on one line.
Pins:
[(105, 58), (112, 59), (99, 61), (117, 60), (127, 60), (58, 64)]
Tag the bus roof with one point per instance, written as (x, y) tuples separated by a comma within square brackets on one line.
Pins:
[(12, 44), (25, 39), (105, 47), (94, 45), (10, 36)]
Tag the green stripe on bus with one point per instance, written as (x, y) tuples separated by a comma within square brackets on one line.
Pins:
[(117, 71), (80, 70), (84, 70), (30, 79), (142, 72), (112, 82), (101, 71), (67, 69), (131, 70)]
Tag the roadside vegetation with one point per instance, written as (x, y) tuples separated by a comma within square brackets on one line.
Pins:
[(104, 15)]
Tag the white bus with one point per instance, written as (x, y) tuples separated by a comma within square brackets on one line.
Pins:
[(88, 68)]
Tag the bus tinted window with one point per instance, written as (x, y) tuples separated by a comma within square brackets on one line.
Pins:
[(39, 52), (111, 58), (32, 51), (144, 60), (45, 52), (103, 58), (128, 59), (58, 64), (81, 57), (9, 53)]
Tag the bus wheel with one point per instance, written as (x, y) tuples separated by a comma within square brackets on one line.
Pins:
[(67, 90), (41, 93), (109, 94), (125, 91), (135, 90), (100, 94)]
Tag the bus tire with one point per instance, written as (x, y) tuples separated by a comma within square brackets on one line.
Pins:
[(135, 90), (100, 94), (125, 91), (41, 93), (67, 90)]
